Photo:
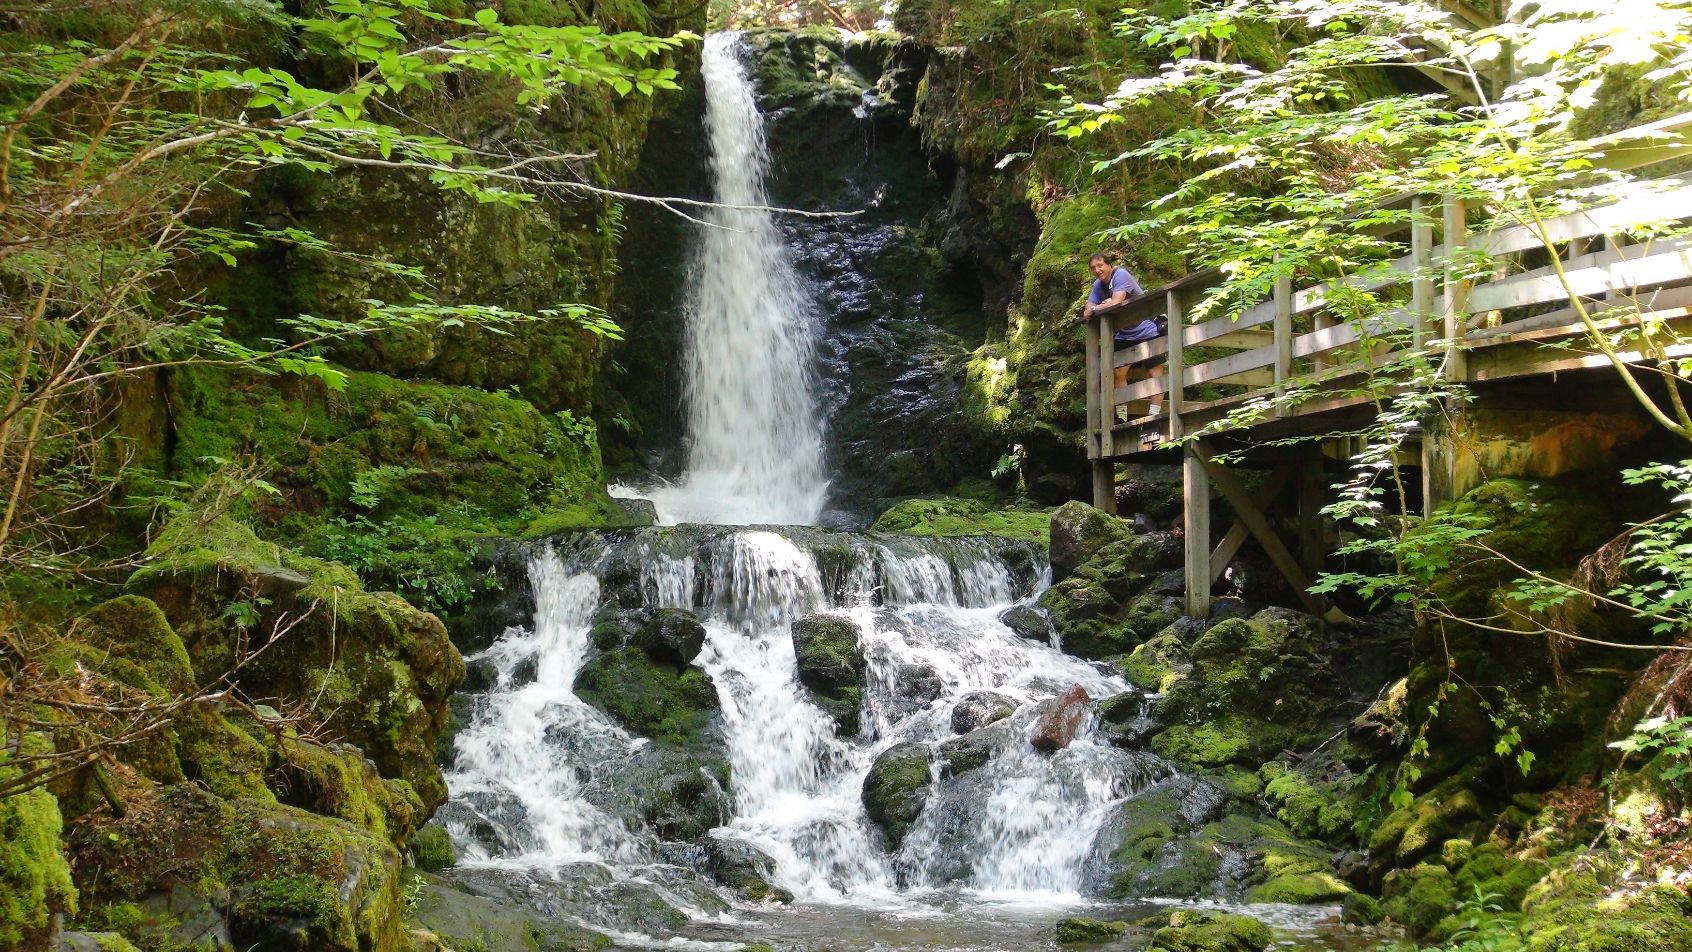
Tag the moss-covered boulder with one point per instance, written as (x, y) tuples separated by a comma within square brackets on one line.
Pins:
[(1256, 687), (1189, 930), (1312, 806), (1081, 930), (185, 864), (743, 868), (1413, 832), (1112, 596), (378, 670), (897, 788), (35, 880), (647, 682), (448, 918), (977, 709), (1586, 906), (1078, 532), (831, 663)]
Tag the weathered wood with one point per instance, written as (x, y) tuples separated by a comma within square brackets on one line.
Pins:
[(1095, 420), (1283, 335), (1107, 387), (1176, 366), (1238, 533), (1229, 486), (1455, 306), (1668, 205), (1310, 549), (1195, 524), (1421, 259), (1439, 466), (1615, 269)]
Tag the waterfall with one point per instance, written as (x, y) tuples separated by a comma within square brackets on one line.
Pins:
[(927, 614), (754, 441)]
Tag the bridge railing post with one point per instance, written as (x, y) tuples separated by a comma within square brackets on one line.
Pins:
[(1283, 334), (1421, 259), (1104, 490)]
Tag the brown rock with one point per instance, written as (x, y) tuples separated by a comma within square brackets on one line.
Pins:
[(1056, 728)]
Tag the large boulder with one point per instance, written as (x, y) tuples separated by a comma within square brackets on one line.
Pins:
[(897, 788), (1256, 687), (650, 697), (191, 867), (1078, 532), (831, 663), (377, 670)]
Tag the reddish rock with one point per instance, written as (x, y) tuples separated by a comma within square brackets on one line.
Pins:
[(1056, 728)]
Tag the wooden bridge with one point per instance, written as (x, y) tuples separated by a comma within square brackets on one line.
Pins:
[(1289, 367)]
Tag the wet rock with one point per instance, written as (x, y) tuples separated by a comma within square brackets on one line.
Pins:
[(743, 868), (1078, 533), (686, 798), (977, 709), (1083, 931), (1189, 930), (1057, 727), (897, 788), (1126, 720), (649, 698), (455, 919), (1360, 909), (1146, 847), (960, 755), (635, 512), (673, 636), (914, 687), (613, 626), (831, 663), (1026, 621)]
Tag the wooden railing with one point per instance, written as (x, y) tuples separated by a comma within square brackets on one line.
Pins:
[(1293, 339)]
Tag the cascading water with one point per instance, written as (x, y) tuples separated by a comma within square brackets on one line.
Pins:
[(927, 613), (755, 447)]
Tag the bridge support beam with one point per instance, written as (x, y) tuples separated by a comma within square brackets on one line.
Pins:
[(1195, 503)]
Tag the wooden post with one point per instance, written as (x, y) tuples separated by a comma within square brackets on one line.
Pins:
[(1195, 502), (1195, 482), (1104, 492), (1439, 465), (1310, 550), (1421, 259), (1456, 297), (1283, 335)]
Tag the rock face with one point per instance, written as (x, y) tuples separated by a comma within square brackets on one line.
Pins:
[(831, 663), (743, 868), (1058, 726), (896, 789)]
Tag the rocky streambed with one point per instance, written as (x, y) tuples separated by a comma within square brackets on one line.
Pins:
[(823, 739)]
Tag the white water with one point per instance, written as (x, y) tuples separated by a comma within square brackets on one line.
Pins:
[(929, 608), (754, 442)]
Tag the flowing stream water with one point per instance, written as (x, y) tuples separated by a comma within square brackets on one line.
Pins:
[(540, 783)]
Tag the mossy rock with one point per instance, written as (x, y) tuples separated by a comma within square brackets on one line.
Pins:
[(35, 879), (1188, 930), (649, 697), (1309, 806), (381, 668), (1415, 831), (1084, 931), (831, 664), (1078, 533), (1420, 897), (432, 849), (896, 789), (466, 922), (1655, 919), (277, 876), (1256, 686), (952, 516)]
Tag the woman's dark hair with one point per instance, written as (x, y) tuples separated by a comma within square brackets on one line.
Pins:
[(1101, 256)]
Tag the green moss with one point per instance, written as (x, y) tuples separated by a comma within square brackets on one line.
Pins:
[(432, 850), (1306, 807), (963, 517), (649, 698), (35, 879), (383, 668), (1655, 919), (1420, 897), (220, 755), (134, 630), (1412, 832), (1081, 930), (896, 789), (1188, 930)]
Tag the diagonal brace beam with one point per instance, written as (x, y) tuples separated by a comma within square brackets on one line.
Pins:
[(1237, 533), (1231, 490)]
